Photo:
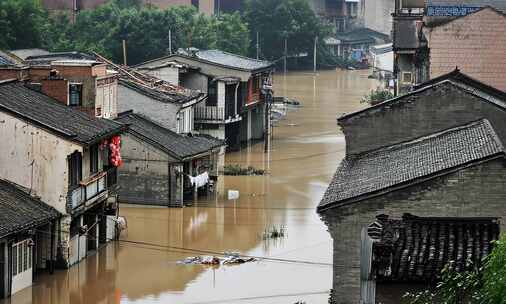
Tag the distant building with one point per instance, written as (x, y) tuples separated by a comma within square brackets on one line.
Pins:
[(433, 38), (28, 237), (440, 174), (12, 67), (378, 15), (77, 80), (344, 15), (382, 60), (208, 7), (235, 107), (414, 250), (355, 44), (67, 158), (159, 164)]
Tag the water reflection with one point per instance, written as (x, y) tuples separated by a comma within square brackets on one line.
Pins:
[(305, 152)]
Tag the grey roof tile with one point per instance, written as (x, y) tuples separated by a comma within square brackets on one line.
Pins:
[(416, 249), (20, 211), (178, 145), (233, 60), (377, 170), (49, 114)]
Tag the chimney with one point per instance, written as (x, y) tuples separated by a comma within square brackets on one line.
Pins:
[(55, 86)]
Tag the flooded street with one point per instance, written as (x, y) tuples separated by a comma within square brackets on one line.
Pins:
[(306, 149)]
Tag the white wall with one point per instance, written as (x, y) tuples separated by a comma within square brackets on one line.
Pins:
[(163, 113), (377, 15), (107, 100), (167, 73), (221, 94), (35, 159)]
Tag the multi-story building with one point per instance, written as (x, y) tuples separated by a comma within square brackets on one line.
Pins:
[(235, 108), (65, 157)]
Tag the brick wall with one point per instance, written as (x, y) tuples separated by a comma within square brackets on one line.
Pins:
[(475, 43), (435, 109), (9, 74), (57, 88), (476, 191)]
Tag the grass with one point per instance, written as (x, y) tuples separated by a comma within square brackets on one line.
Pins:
[(274, 232), (236, 170)]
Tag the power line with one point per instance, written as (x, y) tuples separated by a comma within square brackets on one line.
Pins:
[(203, 251)]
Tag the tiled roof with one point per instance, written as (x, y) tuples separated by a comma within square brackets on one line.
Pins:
[(455, 77), (5, 60), (400, 164), (49, 114), (151, 86), (233, 60), (25, 53), (48, 58), (178, 145), (361, 35), (416, 249), (20, 211)]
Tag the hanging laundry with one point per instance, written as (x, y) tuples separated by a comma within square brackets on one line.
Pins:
[(200, 180)]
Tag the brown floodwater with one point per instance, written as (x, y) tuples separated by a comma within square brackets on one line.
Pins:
[(306, 149)]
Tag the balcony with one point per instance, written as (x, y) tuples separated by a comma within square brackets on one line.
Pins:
[(213, 114), (92, 189)]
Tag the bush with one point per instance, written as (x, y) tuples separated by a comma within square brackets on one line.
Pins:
[(377, 96)]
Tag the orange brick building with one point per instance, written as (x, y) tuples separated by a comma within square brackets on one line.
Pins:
[(476, 43)]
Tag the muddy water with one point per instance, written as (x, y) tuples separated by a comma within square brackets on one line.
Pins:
[(305, 151)]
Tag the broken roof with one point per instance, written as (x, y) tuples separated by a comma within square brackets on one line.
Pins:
[(151, 86), (19, 211), (457, 78), (180, 146), (416, 249), (383, 170), (47, 113)]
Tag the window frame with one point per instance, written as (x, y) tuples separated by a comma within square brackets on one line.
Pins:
[(75, 164), (80, 94), (94, 159)]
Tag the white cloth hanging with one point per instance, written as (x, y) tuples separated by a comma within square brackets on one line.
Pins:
[(200, 180)]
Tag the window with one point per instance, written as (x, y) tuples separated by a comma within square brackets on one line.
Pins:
[(407, 77), (75, 168), (93, 159), (21, 257), (212, 93), (14, 260), (75, 94), (195, 3), (352, 8)]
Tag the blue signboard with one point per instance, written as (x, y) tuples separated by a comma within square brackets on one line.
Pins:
[(450, 11)]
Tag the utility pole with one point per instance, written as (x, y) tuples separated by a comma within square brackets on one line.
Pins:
[(314, 53), (124, 53), (170, 42), (258, 46), (286, 53)]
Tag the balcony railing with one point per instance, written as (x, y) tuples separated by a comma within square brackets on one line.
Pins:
[(93, 187), (215, 114)]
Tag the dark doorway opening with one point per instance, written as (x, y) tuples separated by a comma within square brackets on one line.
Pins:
[(3, 267)]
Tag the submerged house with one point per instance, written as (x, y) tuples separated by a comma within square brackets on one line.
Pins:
[(27, 237), (427, 153), (164, 168), (235, 108), (413, 249), (355, 45), (439, 174), (67, 158)]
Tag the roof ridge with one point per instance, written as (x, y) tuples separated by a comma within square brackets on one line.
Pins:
[(237, 55)]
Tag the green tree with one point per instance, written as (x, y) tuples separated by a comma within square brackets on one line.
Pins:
[(22, 24), (277, 20)]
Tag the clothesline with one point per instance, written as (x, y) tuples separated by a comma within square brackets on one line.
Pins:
[(199, 180)]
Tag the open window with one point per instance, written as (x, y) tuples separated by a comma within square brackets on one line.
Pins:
[(212, 93), (94, 159), (75, 168), (407, 77), (75, 94)]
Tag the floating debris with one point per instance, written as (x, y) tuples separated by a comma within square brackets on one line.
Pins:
[(231, 258), (236, 170), (274, 232)]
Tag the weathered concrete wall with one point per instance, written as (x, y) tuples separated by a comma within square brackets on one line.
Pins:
[(144, 176), (476, 191), (169, 74), (106, 103), (432, 110), (35, 159), (478, 53), (194, 81), (161, 112), (378, 15)]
